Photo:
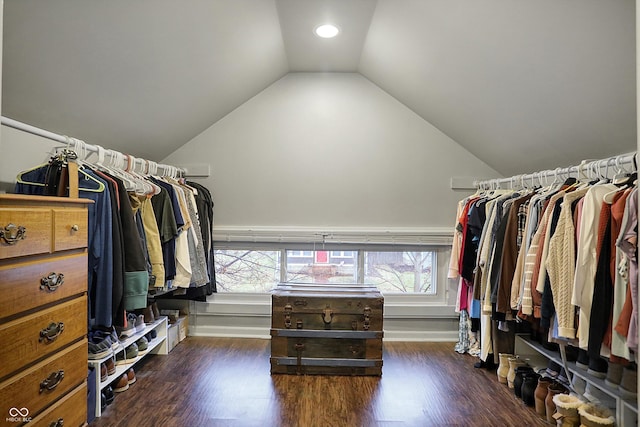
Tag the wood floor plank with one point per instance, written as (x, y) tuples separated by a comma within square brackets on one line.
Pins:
[(222, 382)]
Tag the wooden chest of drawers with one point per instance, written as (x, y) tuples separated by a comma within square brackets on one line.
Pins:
[(326, 329), (43, 310)]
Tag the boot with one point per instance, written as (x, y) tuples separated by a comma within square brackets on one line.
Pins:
[(514, 362), (521, 372), (550, 406), (567, 410), (529, 385), (595, 416), (503, 367), (628, 387), (578, 384), (541, 393)]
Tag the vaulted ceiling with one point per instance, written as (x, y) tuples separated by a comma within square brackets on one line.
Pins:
[(523, 85)]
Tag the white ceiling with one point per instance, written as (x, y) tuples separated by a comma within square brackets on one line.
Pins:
[(523, 85)]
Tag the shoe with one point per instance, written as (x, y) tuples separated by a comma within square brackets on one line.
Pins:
[(103, 402), (614, 374), (110, 364), (147, 313), (151, 335), (103, 372), (129, 327), (540, 394), (567, 407), (597, 367), (156, 310), (143, 346), (98, 351), (514, 362), (595, 395), (583, 359), (578, 384), (553, 369), (139, 323), (595, 416), (99, 337), (108, 394), (550, 407), (127, 356), (503, 367), (131, 376), (122, 384), (628, 387)]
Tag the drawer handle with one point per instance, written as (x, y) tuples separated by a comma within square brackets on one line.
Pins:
[(51, 332), (52, 381), (75, 227), (51, 282), (12, 233), (59, 423)]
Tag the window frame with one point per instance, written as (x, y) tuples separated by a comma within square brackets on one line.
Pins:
[(441, 259)]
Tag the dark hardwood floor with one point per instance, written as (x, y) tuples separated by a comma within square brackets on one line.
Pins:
[(225, 382)]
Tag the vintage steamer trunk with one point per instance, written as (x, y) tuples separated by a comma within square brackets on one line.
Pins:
[(326, 329)]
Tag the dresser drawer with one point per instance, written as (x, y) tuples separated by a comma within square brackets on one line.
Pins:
[(29, 389), (70, 411), (27, 285), (25, 231), (70, 228), (21, 339)]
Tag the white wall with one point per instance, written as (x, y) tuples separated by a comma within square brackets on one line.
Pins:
[(20, 151), (318, 150)]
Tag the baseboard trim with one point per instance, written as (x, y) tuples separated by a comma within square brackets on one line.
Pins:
[(264, 333)]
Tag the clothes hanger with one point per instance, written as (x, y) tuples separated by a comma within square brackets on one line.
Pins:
[(20, 178)]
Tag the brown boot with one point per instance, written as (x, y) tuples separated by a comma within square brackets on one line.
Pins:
[(550, 406), (541, 394)]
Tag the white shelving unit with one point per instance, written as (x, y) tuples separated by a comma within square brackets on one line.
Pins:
[(626, 410), (158, 345)]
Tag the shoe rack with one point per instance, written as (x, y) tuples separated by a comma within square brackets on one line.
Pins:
[(626, 410), (158, 345)]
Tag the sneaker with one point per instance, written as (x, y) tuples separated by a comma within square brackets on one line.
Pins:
[(103, 402), (143, 346), (129, 328), (628, 387), (98, 337), (139, 323), (131, 376), (98, 351), (127, 356), (151, 335), (122, 384)]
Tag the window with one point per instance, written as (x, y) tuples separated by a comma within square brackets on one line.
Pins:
[(321, 267), (394, 269), (400, 271), (247, 270)]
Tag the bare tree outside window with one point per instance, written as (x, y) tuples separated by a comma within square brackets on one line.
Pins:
[(400, 271), (247, 270)]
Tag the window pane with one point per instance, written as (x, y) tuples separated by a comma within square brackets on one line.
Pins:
[(247, 270), (321, 266), (400, 271)]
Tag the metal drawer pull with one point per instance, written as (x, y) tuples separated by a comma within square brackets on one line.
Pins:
[(51, 282), (75, 227), (52, 381), (51, 332), (59, 423), (12, 233)]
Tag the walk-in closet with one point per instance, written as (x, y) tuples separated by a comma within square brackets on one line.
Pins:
[(305, 213)]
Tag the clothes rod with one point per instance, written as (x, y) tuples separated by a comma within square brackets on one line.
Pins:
[(588, 168), (157, 167)]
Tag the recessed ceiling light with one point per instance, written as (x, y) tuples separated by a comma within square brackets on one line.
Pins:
[(327, 31)]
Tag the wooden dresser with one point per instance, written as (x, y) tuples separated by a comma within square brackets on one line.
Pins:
[(43, 310), (326, 329)]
